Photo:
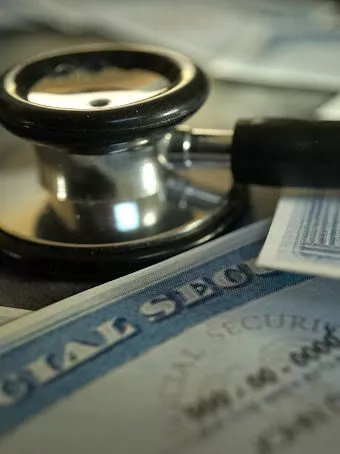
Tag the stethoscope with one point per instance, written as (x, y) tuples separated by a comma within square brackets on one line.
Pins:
[(106, 181)]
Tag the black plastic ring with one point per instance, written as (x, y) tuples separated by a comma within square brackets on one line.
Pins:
[(70, 127), (115, 260)]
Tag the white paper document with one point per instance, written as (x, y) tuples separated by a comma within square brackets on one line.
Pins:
[(203, 353), (286, 42)]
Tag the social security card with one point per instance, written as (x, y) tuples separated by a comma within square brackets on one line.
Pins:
[(204, 352), (305, 234), (10, 313)]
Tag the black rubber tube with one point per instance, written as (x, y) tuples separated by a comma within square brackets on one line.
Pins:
[(287, 152)]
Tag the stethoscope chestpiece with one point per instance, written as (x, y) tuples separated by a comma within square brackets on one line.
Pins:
[(100, 189)]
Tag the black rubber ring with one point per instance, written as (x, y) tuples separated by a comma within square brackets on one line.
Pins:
[(71, 127)]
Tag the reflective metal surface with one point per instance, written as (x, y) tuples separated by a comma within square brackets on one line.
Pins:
[(49, 197), (96, 87)]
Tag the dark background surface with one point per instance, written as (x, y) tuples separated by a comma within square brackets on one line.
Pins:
[(227, 103)]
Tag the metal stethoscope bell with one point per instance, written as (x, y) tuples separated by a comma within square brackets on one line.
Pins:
[(109, 185)]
